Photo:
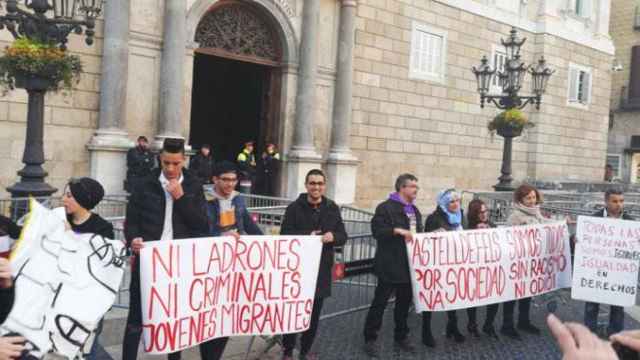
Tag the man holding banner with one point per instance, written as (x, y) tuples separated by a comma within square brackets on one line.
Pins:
[(169, 204), (227, 215), (614, 201), (395, 222), (314, 214)]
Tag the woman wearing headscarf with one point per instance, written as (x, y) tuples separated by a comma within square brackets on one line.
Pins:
[(446, 217), (478, 218), (526, 211)]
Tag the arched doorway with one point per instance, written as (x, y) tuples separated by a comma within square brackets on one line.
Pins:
[(236, 80)]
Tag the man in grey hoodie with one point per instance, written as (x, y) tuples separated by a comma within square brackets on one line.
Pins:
[(228, 216)]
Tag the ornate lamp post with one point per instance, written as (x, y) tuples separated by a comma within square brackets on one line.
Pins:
[(510, 79), (28, 18)]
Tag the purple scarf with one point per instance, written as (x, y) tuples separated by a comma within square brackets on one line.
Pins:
[(409, 208)]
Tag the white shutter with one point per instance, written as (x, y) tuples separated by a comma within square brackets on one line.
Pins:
[(585, 8), (586, 88), (436, 52), (573, 84), (415, 52)]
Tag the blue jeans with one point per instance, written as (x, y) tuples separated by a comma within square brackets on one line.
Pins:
[(94, 347), (616, 317)]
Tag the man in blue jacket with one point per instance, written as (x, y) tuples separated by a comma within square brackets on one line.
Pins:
[(228, 216)]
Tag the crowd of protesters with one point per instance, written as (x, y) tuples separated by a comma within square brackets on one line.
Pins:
[(168, 203)]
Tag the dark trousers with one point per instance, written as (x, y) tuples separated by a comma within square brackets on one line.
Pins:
[(524, 307), (616, 317), (401, 312), (306, 340), (490, 315), (452, 322), (210, 350)]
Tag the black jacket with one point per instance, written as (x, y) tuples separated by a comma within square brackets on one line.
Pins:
[(145, 210), (600, 213), (202, 167), (299, 220), (140, 163), (438, 220), (391, 263)]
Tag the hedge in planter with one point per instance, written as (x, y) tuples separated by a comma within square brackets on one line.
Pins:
[(27, 62)]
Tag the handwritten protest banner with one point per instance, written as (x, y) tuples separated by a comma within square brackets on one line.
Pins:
[(195, 290), (461, 269), (606, 261)]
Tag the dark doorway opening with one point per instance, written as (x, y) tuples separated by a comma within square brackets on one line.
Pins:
[(229, 105)]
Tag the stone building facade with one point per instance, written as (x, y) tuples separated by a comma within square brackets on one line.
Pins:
[(366, 89), (622, 155)]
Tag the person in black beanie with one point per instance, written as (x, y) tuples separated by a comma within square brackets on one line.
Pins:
[(80, 196)]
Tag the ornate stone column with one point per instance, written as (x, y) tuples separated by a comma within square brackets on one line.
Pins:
[(303, 156), (109, 144), (342, 165), (172, 71)]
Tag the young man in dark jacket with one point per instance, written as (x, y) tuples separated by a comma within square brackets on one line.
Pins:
[(314, 214), (614, 202), (167, 205), (202, 164), (395, 222), (140, 162)]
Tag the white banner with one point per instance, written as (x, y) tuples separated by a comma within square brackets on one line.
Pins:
[(606, 261), (64, 284), (194, 290), (460, 269)]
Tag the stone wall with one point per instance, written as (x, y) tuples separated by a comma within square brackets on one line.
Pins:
[(438, 131), (624, 123), (70, 119)]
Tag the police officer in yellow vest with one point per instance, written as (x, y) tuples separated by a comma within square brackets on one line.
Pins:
[(247, 162)]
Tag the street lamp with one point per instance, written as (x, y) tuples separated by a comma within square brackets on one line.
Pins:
[(28, 18), (510, 80)]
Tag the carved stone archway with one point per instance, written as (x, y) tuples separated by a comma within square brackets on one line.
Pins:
[(239, 31), (281, 24)]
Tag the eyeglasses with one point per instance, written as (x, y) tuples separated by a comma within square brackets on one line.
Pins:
[(314, 183), (228, 180)]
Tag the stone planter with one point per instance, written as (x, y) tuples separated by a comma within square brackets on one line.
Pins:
[(31, 82), (509, 131)]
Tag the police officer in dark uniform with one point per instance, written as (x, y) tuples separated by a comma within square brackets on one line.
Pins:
[(140, 162)]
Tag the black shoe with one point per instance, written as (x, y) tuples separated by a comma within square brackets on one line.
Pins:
[(371, 349), (472, 329), (428, 340), (510, 332), (489, 331), (405, 346), (528, 327), (455, 335)]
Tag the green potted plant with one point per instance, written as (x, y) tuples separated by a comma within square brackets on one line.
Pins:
[(40, 66), (509, 123)]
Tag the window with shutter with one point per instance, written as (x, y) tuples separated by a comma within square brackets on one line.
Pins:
[(428, 53), (579, 92), (615, 161), (498, 60)]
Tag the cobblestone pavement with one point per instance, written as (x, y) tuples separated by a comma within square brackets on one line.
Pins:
[(341, 338)]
